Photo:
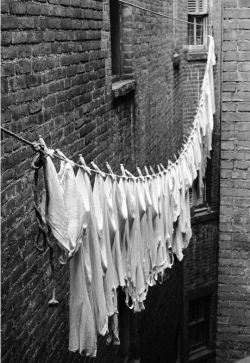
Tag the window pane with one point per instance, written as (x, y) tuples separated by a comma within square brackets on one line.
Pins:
[(191, 30), (199, 30), (198, 322), (115, 36)]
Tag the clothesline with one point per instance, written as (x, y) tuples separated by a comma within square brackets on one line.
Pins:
[(160, 14), (96, 170)]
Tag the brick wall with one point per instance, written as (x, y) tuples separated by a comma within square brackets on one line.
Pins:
[(233, 332), (56, 82)]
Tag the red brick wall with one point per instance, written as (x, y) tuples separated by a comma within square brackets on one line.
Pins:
[(233, 332)]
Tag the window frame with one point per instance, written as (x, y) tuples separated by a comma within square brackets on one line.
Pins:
[(209, 350), (195, 15), (205, 199), (115, 39), (204, 320)]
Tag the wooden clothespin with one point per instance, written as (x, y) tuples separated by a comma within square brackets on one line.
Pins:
[(111, 171), (162, 166), (159, 169), (140, 173), (170, 165), (44, 147), (130, 174), (152, 171), (147, 172), (97, 169), (123, 172), (85, 167), (61, 154)]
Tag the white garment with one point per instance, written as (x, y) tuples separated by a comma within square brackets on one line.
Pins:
[(82, 329), (52, 207), (97, 287)]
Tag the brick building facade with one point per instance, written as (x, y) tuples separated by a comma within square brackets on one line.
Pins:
[(233, 329), (61, 79)]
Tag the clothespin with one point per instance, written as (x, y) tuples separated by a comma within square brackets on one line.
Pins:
[(148, 175), (140, 173), (44, 148), (85, 167), (130, 174), (163, 168), (159, 169), (110, 170), (61, 154), (42, 142), (53, 301), (97, 169), (123, 172), (170, 164), (176, 160), (152, 171)]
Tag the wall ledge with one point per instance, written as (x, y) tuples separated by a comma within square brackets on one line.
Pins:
[(123, 87), (193, 56)]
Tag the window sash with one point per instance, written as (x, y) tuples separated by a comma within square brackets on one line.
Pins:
[(115, 31), (198, 325), (197, 32)]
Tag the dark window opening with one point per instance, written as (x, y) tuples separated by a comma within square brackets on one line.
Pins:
[(201, 201), (115, 31), (199, 325)]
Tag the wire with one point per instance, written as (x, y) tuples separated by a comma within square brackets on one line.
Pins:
[(96, 171), (63, 159), (159, 14), (17, 137)]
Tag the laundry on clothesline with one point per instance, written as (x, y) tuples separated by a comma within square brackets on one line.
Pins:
[(125, 230)]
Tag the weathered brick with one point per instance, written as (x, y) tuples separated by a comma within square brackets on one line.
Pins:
[(35, 107), (9, 53), (33, 9), (19, 37), (18, 82), (5, 38), (23, 66), (26, 23), (8, 22), (7, 69), (17, 7), (5, 6)]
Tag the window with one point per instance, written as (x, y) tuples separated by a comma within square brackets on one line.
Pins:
[(198, 16), (115, 31), (199, 324), (202, 202)]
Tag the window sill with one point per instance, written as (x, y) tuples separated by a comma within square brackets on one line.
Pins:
[(196, 55), (201, 355), (122, 88), (203, 215)]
